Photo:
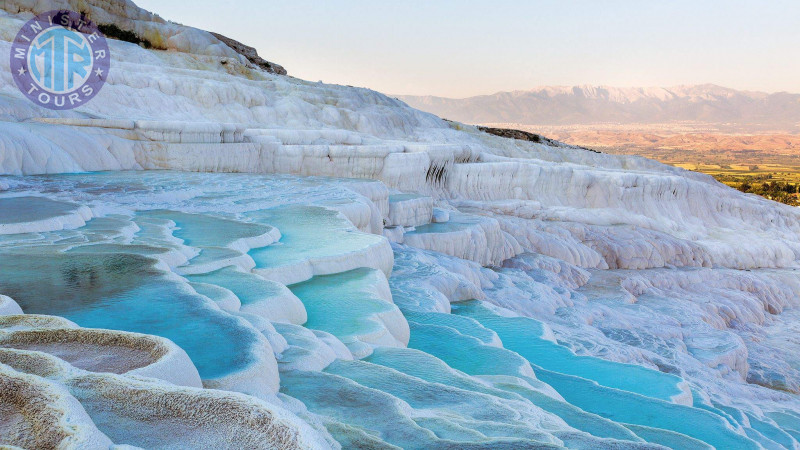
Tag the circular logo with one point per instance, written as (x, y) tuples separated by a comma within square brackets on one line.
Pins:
[(60, 60)]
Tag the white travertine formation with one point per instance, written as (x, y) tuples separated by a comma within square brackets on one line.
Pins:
[(123, 407), (476, 238), (34, 214), (628, 304), (38, 414), (8, 306), (409, 210), (109, 351)]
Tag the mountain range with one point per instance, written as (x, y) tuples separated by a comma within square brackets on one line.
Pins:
[(571, 105)]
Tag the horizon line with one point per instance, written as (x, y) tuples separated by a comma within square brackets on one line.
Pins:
[(546, 86)]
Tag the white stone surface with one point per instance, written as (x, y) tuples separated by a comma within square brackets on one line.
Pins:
[(8, 306)]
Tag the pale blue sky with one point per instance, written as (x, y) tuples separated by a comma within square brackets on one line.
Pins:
[(463, 48)]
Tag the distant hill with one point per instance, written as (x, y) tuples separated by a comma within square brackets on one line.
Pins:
[(565, 105)]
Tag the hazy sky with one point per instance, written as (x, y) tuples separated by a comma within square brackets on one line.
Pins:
[(464, 48)]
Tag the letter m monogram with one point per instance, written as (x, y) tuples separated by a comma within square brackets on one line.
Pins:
[(19, 53)]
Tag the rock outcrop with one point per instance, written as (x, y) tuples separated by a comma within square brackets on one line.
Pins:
[(251, 54)]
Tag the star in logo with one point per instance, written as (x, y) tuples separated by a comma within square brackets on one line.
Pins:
[(21, 71), (99, 72)]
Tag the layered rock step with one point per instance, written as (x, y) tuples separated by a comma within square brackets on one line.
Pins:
[(236, 147), (465, 236), (409, 210), (62, 387)]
